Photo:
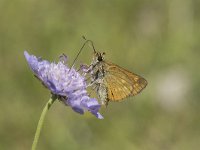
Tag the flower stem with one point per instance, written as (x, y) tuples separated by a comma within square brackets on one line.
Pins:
[(41, 121)]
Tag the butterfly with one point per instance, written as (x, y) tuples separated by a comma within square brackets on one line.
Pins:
[(112, 82)]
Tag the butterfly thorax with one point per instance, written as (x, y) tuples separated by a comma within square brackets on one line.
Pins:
[(98, 69)]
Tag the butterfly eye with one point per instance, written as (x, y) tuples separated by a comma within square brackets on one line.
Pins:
[(100, 58)]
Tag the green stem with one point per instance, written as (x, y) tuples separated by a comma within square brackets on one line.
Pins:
[(41, 121)]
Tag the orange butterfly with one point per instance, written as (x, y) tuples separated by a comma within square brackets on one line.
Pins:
[(112, 82)]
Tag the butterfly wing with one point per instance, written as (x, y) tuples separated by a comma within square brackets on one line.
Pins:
[(122, 83), (118, 87)]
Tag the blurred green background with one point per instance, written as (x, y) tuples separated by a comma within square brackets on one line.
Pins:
[(157, 39)]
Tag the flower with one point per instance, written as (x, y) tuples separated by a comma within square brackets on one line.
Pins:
[(64, 82)]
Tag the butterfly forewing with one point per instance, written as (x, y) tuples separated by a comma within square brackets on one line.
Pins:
[(122, 83)]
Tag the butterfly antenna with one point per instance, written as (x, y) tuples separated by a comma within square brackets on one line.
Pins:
[(82, 49), (91, 42)]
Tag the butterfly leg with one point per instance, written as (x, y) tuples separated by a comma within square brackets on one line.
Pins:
[(85, 68)]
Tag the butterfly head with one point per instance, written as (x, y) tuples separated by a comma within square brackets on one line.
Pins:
[(98, 57)]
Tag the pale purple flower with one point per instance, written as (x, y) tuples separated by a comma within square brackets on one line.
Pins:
[(65, 83)]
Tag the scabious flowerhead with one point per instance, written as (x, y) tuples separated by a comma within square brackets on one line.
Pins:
[(65, 83)]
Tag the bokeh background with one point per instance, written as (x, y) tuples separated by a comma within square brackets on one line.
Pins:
[(157, 39)]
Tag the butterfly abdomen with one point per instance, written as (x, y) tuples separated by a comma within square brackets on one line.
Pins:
[(102, 94)]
